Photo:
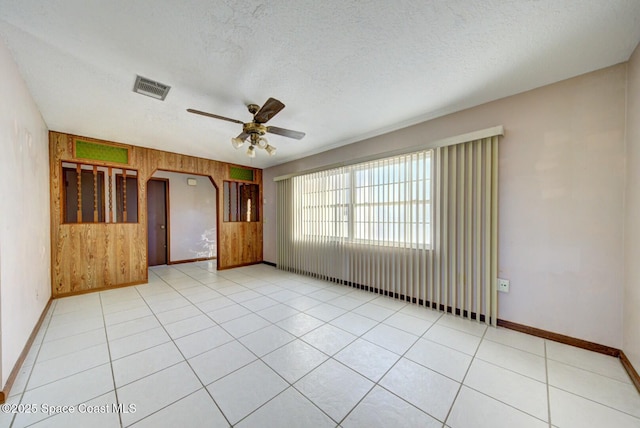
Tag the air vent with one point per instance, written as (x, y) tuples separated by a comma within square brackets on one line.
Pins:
[(151, 88)]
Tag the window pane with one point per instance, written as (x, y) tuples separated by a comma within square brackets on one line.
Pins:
[(91, 195), (386, 201), (131, 200), (241, 201)]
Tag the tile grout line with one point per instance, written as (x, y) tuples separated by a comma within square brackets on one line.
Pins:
[(186, 361), (332, 357), (290, 385), (473, 357), (394, 311), (299, 338), (258, 358), (377, 383), (452, 348), (296, 337), (71, 374), (564, 363), (42, 342), (597, 402), (457, 329), (512, 370), (35, 360), (65, 377), (445, 345), (546, 373), (113, 378)]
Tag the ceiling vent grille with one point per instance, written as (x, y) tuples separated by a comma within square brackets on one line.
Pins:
[(151, 88)]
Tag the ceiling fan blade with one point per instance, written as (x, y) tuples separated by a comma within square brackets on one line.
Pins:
[(268, 110), (285, 132), (215, 116)]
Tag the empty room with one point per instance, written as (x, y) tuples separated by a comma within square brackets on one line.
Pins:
[(320, 214)]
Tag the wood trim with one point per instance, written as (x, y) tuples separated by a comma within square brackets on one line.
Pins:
[(237, 209), (167, 211), (218, 214), (202, 259), (556, 337), (269, 263), (91, 255), (4, 394), (95, 193), (218, 217), (239, 265), (124, 196), (167, 197), (111, 287), (79, 191), (110, 181), (579, 343), (98, 179), (631, 371), (122, 177)]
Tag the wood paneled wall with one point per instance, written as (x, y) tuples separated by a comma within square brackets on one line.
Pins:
[(92, 256)]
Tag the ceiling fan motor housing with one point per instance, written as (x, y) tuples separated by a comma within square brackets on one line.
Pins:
[(252, 128)]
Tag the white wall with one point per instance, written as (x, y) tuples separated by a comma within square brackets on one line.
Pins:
[(25, 246), (561, 194), (192, 216), (631, 345)]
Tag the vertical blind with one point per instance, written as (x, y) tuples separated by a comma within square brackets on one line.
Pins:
[(421, 227)]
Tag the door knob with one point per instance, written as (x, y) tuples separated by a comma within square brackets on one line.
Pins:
[(162, 226)]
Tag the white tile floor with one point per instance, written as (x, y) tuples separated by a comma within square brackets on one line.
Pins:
[(257, 347)]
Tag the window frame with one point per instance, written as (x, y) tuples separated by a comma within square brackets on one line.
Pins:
[(107, 185), (239, 215), (411, 208)]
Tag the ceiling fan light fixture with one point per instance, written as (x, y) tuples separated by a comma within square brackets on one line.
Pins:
[(237, 142), (253, 131)]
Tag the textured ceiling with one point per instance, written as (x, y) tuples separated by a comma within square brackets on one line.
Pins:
[(346, 69)]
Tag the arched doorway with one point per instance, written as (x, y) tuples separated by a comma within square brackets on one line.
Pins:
[(191, 217)]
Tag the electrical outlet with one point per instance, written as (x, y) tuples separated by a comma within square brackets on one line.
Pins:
[(503, 285)]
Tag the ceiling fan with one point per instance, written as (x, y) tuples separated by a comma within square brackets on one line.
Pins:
[(254, 131)]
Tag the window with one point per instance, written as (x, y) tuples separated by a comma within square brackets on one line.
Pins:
[(126, 198), (324, 203), (90, 193), (241, 201), (384, 202), (86, 205), (422, 227)]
